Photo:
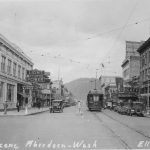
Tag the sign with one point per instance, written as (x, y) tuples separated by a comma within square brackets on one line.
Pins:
[(38, 76)]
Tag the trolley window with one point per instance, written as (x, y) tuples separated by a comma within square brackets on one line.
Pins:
[(96, 98)]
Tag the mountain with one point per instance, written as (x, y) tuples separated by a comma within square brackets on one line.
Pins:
[(81, 87)]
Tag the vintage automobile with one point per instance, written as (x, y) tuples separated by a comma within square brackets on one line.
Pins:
[(137, 108), (57, 106)]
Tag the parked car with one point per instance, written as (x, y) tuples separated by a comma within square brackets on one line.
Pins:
[(138, 108), (123, 110), (116, 108), (119, 109), (135, 108)]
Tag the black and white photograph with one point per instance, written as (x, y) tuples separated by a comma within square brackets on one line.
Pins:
[(74, 74)]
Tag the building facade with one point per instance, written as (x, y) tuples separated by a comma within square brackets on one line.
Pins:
[(131, 68), (131, 63), (41, 86), (144, 51), (13, 66), (110, 85), (58, 89)]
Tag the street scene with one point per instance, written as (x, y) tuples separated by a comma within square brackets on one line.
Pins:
[(74, 74), (71, 130)]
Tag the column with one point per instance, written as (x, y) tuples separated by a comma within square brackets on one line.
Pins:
[(5, 91), (15, 93)]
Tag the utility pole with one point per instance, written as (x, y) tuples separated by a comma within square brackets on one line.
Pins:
[(91, 84), (96, 78)]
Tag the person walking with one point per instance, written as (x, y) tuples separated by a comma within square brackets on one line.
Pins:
[(79, 107), (5, 107), (18, 106)]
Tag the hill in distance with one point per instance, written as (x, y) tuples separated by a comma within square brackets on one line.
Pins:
[(80, 87)]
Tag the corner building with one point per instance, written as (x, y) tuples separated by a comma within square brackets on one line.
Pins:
[(13, 67), (144, 51)]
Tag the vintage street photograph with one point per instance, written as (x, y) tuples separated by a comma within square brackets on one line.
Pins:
[(74, 74)]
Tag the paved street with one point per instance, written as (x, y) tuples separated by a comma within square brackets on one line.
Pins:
[(69, 130)]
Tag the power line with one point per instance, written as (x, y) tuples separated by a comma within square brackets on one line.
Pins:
[(123, 27)]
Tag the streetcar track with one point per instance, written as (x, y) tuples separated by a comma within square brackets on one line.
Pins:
[(137, 131), (124, 144)]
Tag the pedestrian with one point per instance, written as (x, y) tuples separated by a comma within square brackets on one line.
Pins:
[(79, 107), (18, 106), (39, 104), (5, 107)]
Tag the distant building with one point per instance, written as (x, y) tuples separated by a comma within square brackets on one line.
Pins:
[(110, 84), (131, 67), (131, 64), (13, 69), (58, 89), (41, 86), (131, 48), (144, 51)]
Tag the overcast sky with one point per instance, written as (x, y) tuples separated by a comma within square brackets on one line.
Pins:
[(71, 38)]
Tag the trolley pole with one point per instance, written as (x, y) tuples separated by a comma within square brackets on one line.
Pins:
[(96, 78)]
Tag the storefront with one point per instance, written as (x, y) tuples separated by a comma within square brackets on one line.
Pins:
[(8, 92)]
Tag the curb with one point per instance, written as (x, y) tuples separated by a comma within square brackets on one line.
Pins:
[(34, 113)]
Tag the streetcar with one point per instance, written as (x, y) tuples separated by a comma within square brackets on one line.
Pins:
[(95, 100)]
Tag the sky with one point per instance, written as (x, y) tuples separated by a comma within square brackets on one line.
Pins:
[(71, 39)]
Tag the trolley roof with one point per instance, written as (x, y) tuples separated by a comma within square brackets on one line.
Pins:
[(95, 92)]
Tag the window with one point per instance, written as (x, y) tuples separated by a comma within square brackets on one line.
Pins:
[(145, 58), (3, 63), (96, 98), (10, 92), (1, 91), (126, 73), (9, 67), (19, 71), (14, 69), (149, 56), (23, 71)]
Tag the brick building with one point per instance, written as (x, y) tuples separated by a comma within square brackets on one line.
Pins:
[(144, 51), (131, 64)]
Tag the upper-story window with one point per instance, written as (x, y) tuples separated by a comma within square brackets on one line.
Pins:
[(9, 66), (14, 69), (19, 71), (149, 56), (23, 73), (3, 64)]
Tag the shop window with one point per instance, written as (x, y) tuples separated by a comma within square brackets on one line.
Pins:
[(10, 92)]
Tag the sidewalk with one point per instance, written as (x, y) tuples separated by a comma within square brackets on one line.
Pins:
[(31, 111), (146, 115)]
